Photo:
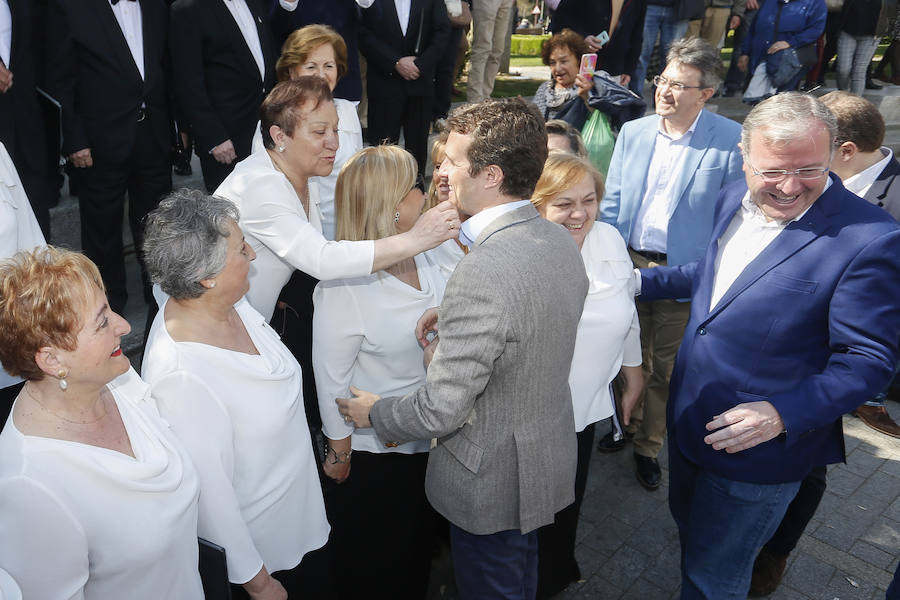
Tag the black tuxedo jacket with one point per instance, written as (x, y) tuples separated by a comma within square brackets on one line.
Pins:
[(217, 81), (885, 191), (21, 125), (92, 74), (382, 43), (590, 17)]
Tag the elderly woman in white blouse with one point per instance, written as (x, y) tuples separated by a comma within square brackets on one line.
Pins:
[(364, 335), (98, 499), (607, 342), (233, 395)]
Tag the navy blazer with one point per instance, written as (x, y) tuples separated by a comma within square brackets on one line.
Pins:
[(811, 325)]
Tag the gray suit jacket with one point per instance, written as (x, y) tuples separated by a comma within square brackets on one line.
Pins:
[(885, 191), (496, 395)]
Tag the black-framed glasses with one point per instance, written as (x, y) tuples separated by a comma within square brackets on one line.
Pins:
[(778, 175), (675, 86)]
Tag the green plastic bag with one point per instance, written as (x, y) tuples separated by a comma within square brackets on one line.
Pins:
[(599, 140)]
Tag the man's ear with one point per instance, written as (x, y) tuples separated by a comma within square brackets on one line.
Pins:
[(846, 151), (493, 176)]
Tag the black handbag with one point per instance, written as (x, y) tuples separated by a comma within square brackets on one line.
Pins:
[(213, 571)]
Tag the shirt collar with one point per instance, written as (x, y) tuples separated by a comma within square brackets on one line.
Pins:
[(474, 225), (660, 129)]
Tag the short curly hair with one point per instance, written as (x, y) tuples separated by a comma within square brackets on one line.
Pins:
[(43, 296), (282, 106), (302, 42), (508, 133), (562, 172), (564, 39)]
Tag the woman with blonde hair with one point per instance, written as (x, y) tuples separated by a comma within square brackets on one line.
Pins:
[(98, 499), (363, 336), (607, 342)]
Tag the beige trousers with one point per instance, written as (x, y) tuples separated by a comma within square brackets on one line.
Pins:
[(490, 25)]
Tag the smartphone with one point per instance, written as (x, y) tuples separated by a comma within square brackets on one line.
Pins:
[(603, 38), (588, 64)]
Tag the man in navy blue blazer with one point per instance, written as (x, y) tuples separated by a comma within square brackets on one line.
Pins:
[(795, 319)]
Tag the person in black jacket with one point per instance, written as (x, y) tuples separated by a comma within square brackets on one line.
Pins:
[(106, 65), (223, 61), (21, 123), (589, 18), (402, 58)]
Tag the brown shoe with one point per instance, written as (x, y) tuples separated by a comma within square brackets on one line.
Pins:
[(767, 573), (877, 418)]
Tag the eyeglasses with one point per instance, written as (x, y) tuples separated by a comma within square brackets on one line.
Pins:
[(778, 175), (675, 86)]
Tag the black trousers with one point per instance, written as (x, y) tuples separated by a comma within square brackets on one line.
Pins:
[(41, 190), (382, 527), (214, 172), (310, 579), (444, 75), (7, 397), (557, 566), (412, 114), (146, 175), (799, 513)]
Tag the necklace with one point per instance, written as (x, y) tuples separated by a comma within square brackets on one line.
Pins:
[(59, 416)]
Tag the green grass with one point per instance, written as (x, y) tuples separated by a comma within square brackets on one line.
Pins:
[(525, 61), (506, 88)]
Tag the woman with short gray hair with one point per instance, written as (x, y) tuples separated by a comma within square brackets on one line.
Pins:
[(233, 394)]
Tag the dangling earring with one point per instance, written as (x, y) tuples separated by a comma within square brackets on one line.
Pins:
[(61, 375), (281, 148), (397, 217)]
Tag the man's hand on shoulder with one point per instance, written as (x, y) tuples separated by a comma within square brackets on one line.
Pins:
[(744, 426)]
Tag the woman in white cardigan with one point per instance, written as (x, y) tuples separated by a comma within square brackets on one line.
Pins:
[(233, 394), (98, 499), (607, 341), (364, 335)]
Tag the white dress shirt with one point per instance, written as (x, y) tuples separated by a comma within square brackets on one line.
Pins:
[(474, 225), (247, 24), (128, 15), (282, 235), (403, 13), (860, 183), (748, 234), (651, 225), (82, 522), (19, 230), (349, 143), (364, 335), (242, 420), (5, 32), (609, 335)]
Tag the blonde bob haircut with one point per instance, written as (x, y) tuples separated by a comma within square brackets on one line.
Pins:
[(562, 171), (302, 42), (44, 295), (369, 187), (437, 157)]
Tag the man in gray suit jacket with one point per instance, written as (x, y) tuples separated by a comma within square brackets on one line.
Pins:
[(496, 395)]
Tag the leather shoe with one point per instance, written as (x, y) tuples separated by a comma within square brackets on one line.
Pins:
[(871, 85), (767, 573), (609, 444), (877, 418), (647, 471)]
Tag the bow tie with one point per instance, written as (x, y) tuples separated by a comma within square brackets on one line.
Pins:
[(114, 2)]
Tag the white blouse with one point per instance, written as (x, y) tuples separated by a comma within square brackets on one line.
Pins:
[(283, 237), (609, 335), (83, 522), (364, 335), (242, 420), (19, 229), (349, 143)]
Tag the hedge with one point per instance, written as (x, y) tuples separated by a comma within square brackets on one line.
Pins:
[(527, 45)]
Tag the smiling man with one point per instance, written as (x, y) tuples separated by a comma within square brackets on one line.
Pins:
[(795, 317), (664, 178), (496, 395)]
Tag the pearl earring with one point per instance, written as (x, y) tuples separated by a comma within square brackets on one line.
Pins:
[(397, 217), (61, 375), (212, 284), (281, 148)]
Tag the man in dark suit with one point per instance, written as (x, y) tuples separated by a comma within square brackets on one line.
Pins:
[(21, 123), (106, 65), (870, 171), (402, 41), (496, 395), (795, 320), (223, 61)]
